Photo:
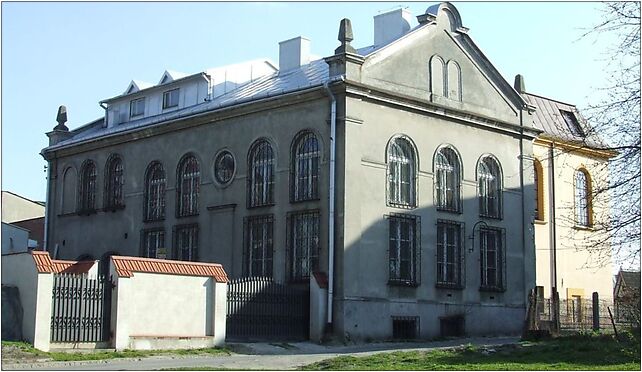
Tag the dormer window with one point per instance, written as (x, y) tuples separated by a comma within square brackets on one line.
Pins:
[(137, 107), (170, 98), (571, 123)]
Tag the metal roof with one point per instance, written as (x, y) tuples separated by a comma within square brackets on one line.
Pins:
[(548, 118), (126, 266)]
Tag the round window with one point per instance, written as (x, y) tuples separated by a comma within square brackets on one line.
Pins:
[(224, 167)]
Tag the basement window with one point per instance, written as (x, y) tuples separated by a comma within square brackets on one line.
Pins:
[(572, 123), (452, 326), (405, 327)]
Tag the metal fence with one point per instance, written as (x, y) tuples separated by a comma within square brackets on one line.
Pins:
[(576, 314), (80, 309), (261, 309)]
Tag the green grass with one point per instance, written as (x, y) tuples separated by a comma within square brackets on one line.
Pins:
[(102, 355), (582, 352)]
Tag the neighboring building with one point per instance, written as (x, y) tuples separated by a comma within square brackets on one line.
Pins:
[(408, 161), (15, 239), (18, 208), (569, 164), (36, 227), (626, 296)]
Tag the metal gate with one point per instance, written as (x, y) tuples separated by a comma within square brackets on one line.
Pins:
[(81, 308), (261, 309)]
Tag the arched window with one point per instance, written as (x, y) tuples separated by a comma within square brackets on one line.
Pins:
[(305, 167), (583, 198), (154, 192), (454, 81), (437, 76), (188, 180), (538, 184), (68, 191), (114, 181), (489, 178), (87, 189), (260, 181), (401, 171), (447, 180)]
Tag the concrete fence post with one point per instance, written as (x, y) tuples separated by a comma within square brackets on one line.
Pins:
[(596, 312), (220, 312), (42, 324)]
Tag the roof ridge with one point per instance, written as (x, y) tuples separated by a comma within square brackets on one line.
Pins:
[(550, 99)]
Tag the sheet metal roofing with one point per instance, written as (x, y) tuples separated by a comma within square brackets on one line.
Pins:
[(44, 264), (548, 117), (313, 74), (126, 266)]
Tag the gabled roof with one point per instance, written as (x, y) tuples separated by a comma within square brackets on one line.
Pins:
[(171, 75), (137, 85), (126, 266), (549, 118)]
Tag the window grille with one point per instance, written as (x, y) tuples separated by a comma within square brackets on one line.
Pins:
[(450, 258), (153, 243), (114, 180), (404, 249), (305, 170), (492, 259), (170, 98), (187, 189), (303, 244), (155, 192), (186, 242), (87, 190), (259, 238), (447, 180), (490, 188), (137, 107), (582, 193), (401, 174), (405, 327), (260, 181), (224, 167)]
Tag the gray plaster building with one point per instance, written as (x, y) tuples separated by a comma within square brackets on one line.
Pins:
[(400, 170)]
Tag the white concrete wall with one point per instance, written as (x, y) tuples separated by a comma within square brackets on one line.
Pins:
[(579, 271), (14, 239), (15, 208), (166, 305), (35, 289)]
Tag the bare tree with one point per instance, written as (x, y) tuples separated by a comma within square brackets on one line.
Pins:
[(616, 118)]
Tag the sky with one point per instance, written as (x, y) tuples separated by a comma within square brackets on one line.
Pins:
[(76, 54)]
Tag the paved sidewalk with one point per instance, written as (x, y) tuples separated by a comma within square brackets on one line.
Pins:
[(276, 356)]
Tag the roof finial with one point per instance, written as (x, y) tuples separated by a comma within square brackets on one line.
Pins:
[(61, 118), (519, 84), (345, 37)]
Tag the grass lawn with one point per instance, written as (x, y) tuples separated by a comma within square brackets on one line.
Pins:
[(581, 352), (24, 352)]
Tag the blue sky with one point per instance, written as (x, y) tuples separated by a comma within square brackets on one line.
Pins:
[(79, 53)]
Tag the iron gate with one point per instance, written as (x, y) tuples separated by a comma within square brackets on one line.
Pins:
[(261, 309), (81, 308)]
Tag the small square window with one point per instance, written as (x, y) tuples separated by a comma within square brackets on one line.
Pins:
[(571, 123), (137, 107), (170, 98)]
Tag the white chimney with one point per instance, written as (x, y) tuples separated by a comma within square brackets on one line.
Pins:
[(294, 53), (391, 25)]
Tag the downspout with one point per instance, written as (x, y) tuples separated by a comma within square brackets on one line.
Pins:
[(333, 132), (553, 236), (102, 104)]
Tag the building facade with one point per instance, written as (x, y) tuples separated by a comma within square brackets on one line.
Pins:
[(402, 170)]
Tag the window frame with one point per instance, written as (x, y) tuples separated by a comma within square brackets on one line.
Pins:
[(87, 188), (188, 184), (485, 181), (312, 254), (441, 173), (191, 228), (260, 160), (395, 249), (217, 163), (167, 96), (458, 262), (500, 259), (266, 224), (394, 166), (161, 185), (135, 103), (114, 183), (582, 202), (312, 172), (144, 246)]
